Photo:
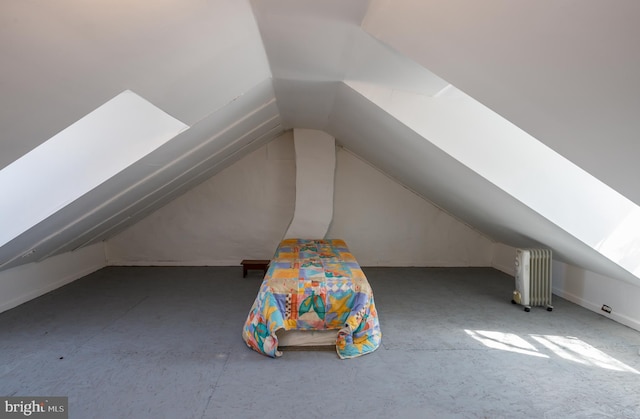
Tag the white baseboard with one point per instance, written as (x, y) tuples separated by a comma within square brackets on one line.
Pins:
[(122, 262), (596, 308), (509, 270)]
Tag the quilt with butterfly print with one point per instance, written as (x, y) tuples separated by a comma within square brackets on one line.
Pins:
[(314, 285)]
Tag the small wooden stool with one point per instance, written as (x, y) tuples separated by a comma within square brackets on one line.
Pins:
[(254, 264)]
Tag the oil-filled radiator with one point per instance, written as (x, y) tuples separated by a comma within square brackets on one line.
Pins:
[(533, 278)]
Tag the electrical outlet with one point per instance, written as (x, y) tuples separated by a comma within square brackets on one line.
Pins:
[(606, 308)]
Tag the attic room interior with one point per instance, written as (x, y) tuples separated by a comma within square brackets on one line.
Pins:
[(148, 148)]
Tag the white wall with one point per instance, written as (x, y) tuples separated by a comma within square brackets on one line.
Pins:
[(240, 213), (503, 258), (585, 288), (385, 224), (32, 280), (592, 290), (243, 212)]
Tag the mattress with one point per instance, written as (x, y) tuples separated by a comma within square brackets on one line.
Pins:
[(306, 337), (314, 285)]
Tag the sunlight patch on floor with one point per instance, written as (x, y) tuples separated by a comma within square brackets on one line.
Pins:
[(505, 342), (566, 347), (576, 350)]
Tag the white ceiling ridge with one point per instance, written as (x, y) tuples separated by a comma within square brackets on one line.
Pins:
[(273, 131), (236, 98), (158, 189), (175, 191), (443, 91)]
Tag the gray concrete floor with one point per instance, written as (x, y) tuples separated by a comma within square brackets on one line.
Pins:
[(129, 342)]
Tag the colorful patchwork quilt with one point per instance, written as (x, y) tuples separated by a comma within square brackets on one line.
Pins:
[(314, 285)]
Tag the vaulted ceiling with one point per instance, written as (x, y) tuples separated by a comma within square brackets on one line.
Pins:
[(408, 86)]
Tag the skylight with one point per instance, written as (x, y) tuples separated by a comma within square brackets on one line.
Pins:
[(79, 158), (519, 164)]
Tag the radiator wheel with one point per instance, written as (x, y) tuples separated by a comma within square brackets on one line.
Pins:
[(527, 309)]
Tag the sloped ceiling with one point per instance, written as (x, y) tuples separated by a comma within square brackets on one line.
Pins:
[(238, 73), (563, 71)]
